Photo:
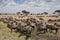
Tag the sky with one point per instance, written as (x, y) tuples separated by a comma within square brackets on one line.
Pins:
[(33, 6)]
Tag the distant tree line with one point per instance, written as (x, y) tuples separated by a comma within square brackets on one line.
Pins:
[(27, 12)]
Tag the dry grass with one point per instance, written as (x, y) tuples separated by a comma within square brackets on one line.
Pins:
[(5, 33)]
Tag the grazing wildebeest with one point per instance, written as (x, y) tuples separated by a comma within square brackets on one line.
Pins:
[(11, 18), (5, 20), (31, 22), (28, 31), (41, 26), (11, 26), (58, 25), (25, 30), (52, 27)]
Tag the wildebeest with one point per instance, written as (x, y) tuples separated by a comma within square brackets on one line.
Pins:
[(58, 25), (5, 20), (11, 26), (52, 27), (41, 27), (26, 30), (11, 18)]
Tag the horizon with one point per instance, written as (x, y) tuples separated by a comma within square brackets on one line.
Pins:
[(33, 6)]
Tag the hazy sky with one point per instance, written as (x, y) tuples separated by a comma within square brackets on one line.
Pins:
[(33, 6)]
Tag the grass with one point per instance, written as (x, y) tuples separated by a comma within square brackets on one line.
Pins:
[(5, 34)]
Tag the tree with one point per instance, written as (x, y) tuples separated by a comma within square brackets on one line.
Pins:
[(18, 13), (44, 13), (25, 12), (57, 12)]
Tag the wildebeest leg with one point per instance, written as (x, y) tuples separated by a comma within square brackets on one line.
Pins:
[(27, 37), (56, 30), (45, 30), (38, 32)]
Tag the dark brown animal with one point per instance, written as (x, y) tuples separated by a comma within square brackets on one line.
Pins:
[(24, 30), (41, 27), (11, 26), (52, 27)]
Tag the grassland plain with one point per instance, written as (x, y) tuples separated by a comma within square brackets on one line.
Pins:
[(5, 34)]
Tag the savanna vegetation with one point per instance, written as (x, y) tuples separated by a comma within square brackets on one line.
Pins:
[(30, 26)]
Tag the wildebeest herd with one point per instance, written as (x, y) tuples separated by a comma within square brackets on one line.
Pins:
[(28, 26)]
